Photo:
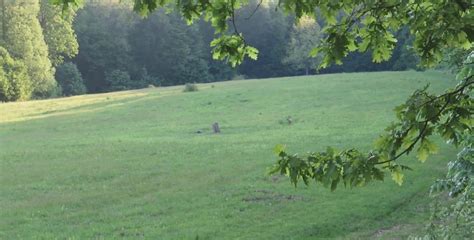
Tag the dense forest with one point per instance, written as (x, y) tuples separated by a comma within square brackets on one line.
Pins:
[(104, 46)]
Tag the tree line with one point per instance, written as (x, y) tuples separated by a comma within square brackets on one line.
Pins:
[(105, 46), (34, 41)]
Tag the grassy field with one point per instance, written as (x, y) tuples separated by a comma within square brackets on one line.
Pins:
[(131, 165)]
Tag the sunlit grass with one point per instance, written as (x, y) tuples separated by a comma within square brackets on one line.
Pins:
[(131, 164)]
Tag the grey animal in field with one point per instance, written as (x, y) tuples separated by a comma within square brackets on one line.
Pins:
[(216, 128)]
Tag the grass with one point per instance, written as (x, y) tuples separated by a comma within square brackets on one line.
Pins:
[(132, 165)]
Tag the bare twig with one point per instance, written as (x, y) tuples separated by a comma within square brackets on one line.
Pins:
[(255, 10)]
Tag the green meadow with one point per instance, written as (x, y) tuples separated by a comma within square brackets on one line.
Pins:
[(132, 164)]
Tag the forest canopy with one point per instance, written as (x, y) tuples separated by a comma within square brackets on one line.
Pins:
[(162, 49)]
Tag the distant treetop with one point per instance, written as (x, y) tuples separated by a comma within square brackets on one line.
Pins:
[(351, 25)]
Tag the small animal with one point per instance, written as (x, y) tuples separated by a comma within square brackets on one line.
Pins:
[(215, 127)]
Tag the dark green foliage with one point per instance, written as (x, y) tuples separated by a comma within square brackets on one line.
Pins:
[(220, 71), (118, 80), (350, 26), (14, 80), (451, 219), (112, 37), (268, 31), (70, 79), (102, 35), (169, 49), (454, 219), (190, 87), (196, 70), (407, 59), (403, 58), (146, 79), (453, 59)]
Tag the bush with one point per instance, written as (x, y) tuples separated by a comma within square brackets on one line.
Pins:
[(118, 80), (147, 80), (15, 83), (70, 80), (195, 70), (190, 87)]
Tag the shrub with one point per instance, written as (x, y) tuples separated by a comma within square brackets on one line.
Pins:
[(15, 83), (190, 87), (147, 80), (118, 80), (70, 80)]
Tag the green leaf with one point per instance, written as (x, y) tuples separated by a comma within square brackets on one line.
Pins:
[(426, 148), (352, 46), (422, 154), (397, 176), (252, 52), (314, 52), (279, 148), (331, 19)]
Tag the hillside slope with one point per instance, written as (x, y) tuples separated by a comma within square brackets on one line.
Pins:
[(131, 164)]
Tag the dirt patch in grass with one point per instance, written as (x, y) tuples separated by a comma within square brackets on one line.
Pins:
[(400, 231), (266, 196), (381, 232)]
